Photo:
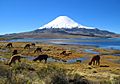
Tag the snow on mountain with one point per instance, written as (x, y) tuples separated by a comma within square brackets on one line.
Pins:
[(64, 22)]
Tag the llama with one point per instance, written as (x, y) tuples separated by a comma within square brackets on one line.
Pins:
[(65, 53), (41, 57), (95, 60), (27, 46), (38, 50), (14, 58), (9, 45)]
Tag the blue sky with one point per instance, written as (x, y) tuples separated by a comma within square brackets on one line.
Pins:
[(27, 15)]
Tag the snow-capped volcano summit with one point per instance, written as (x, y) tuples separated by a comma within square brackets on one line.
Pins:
[(64, 27), (64, 22)]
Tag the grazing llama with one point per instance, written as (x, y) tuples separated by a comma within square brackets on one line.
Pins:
[(9, 45), (38, 50), (27, 46), (95, 60), (15, 58), (41, 57), (65, 53)]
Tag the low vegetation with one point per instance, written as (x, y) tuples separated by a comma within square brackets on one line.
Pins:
[(30, 72), (23, 73)]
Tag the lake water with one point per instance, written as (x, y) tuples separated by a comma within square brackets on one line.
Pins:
[(56, 60), (112, 43), (49, 59)]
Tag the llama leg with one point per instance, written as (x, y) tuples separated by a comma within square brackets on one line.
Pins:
[(40, 60), (45, 60), (9, 63), (98, 62), (93, 62)]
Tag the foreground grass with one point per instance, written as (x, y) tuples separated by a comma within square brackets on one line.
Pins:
[(29, 72), (50, 73), (24, 73)]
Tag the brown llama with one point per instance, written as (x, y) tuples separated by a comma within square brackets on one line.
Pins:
[(65, 53), (14, 58), (27, 46), (38, 50), (14, 52), (41, 57), (9, 45), (95, 60)]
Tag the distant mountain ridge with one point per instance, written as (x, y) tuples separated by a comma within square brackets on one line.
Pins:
[(63, 27), (76, 31)]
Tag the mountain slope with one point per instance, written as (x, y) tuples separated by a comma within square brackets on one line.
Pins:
[(76, 31)]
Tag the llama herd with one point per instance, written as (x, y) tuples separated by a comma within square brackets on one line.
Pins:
[(16, 57)]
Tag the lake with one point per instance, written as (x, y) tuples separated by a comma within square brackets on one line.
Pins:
[(111, 43)]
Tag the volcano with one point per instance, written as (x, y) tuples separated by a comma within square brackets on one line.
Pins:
[(63, 27), (64, 22)]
